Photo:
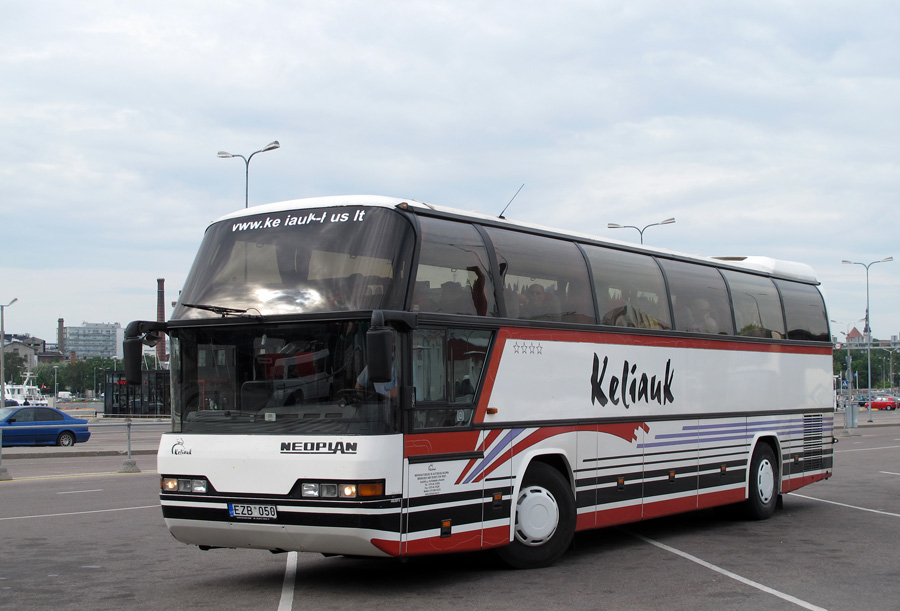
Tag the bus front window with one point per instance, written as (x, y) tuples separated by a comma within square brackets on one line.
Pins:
[(300, 262), (278, 378)]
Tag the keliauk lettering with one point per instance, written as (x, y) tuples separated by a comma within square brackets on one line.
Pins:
[(632, 387)]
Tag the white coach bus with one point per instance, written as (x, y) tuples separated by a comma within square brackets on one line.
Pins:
[(373, 376)]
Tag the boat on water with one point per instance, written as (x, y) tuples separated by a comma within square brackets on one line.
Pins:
[(26, 393)]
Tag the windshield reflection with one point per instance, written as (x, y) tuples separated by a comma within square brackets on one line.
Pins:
[(264, 269), (267, 379)]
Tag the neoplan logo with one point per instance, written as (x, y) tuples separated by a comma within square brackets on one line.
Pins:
[(319, 447)]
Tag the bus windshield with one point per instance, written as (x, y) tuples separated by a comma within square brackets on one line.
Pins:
[(294, 378), (299, 262)]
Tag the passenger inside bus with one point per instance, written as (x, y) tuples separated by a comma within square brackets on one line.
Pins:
[(540, 303), (579, 306), (703, 320)]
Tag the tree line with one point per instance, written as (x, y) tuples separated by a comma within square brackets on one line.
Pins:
[(859, 366), (78, 377), (82, 376)]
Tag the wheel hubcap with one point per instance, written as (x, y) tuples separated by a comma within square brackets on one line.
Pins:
[(537, 516), (765, 481)]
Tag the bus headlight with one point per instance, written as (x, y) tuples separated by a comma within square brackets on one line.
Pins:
[(184, 484), (342, 490)]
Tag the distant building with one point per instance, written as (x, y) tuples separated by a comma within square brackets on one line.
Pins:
[(93, 340), (855, 337), (20, 348)]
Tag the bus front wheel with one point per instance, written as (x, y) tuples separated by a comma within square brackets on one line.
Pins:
[(763, 490), (545, 519)]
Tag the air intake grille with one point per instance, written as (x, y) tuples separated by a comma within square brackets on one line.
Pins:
[(812, 442)]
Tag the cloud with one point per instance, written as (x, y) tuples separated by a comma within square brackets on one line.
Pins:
[(767, 128)]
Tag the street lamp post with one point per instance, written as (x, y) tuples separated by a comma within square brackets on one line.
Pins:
[(55, 386), (868, 329), (850, 407), (2, 345), (225, 155), (640, 230), (890, 352)]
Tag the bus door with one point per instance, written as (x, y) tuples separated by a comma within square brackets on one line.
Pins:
[(444, 494), (449, 464)]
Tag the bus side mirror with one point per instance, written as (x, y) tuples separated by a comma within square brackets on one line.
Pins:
[(379, 350), (133, 349)]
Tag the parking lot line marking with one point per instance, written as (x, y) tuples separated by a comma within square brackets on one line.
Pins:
[(287, 587), (867, 449), (726, 573), (78, 513), (812, 498), (889, 473), (80, 491), (64, 476)]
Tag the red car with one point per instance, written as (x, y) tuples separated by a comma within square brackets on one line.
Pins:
[(884, 403)]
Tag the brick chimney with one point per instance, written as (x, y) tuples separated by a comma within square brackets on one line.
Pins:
[(161, 317)]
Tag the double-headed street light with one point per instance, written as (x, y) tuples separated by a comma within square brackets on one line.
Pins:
[(641, 230), (868, 329), (225, 155), (2, 346)]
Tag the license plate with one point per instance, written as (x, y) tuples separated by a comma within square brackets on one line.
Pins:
[(252, 512)]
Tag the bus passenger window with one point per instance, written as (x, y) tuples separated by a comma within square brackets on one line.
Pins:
[(699, 298), (630, 289), (452, 276), (536, 274), (804, 311), (757, 306)]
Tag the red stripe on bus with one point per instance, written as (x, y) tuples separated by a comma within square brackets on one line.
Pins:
[(440, 443), (789, 485), (457, 542), (715, 342)]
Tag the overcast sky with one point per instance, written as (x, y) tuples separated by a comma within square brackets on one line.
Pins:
[(765, 128)]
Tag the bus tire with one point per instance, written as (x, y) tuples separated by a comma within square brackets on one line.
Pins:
[(763, 488), (545, 519)]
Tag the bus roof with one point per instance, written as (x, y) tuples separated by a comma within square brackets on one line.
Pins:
[(764, 265)]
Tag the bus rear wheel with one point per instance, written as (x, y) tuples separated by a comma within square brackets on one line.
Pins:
[(545, 519), (763, 489)]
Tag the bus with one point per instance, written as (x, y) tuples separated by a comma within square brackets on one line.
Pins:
[(381, 377)]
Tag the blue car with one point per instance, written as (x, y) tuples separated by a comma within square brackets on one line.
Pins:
[(56, 427)]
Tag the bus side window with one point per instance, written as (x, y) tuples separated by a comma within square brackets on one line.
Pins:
[(699, 298), (757, 306), (429, 371), (452, 276), (448, 369), (804, 310), (537, 273), (630, 289)]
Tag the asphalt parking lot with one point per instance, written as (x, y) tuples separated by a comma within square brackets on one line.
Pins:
[(78, 534)]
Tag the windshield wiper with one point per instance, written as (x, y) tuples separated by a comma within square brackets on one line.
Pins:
[(217, 309)]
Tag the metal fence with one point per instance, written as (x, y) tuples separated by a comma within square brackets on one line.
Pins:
[(128, 465)]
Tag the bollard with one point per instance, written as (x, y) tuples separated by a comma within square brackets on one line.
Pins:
[(4, 474), (129, 466)]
